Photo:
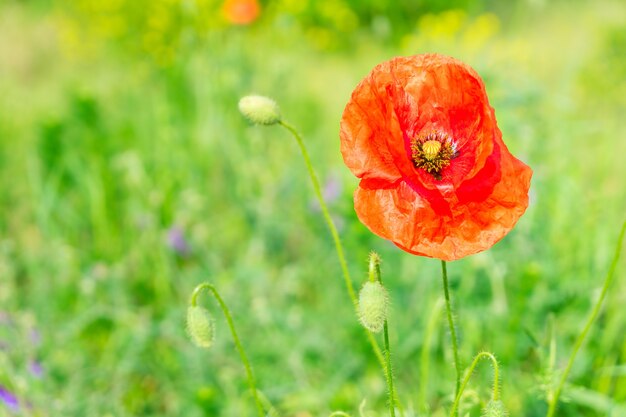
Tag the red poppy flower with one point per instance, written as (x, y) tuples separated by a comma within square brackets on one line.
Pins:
[(436, 178), (241, 12)]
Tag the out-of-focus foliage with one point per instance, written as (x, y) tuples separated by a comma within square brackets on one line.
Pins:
[(128, 176), (162, 29), (603, 78)]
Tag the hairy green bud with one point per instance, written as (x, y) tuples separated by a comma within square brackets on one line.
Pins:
[(259, 110), (495, 409), (200, 326), (373, 306)]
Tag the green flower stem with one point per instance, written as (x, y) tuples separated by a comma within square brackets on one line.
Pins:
[(389, 369), (468, 374), (333, 232), (455, 348), (592, 318), (231, 324), (374, 274)]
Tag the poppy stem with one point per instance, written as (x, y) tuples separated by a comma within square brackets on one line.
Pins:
[(333, 232), (594, 313), (495, 396), (231, 324), (455, 348), (389, 371), (375, 275)]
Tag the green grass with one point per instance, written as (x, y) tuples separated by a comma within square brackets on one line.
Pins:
[(104, 149)]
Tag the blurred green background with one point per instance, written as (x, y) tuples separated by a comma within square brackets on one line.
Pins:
[(128, 177)]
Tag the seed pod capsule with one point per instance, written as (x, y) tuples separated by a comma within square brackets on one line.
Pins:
[(495, 409), (200, 326), (373, 306), (259, 110)]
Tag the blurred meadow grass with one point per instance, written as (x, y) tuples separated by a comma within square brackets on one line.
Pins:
[(128, 177)]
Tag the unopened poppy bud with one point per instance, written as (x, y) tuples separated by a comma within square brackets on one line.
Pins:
[(373, 303), (495, 409), (259, 110), (200, 326)]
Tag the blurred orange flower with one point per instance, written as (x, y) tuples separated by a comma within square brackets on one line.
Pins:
[(241, 12), (436, 178)]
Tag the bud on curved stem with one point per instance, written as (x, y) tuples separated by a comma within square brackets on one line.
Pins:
[(496, 384), (262, 110), (333, 231), (259, 110), (200, 326), (331, 226), (244, 359)]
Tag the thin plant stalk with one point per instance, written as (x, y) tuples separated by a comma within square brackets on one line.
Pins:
[(338, 246), (231, 325), (333, 232), (455, 343), (551, 357), (267, 405), (468, 374), (594, 314), (375, 275), (389, 370)]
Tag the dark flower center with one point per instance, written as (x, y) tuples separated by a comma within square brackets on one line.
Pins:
[(432, 152)]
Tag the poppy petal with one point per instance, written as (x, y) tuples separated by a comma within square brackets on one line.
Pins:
[(475, 198), (367, 120)]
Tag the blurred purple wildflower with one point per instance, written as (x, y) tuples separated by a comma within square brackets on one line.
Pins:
[(35, 337), (5, 318), (9, 399), (35, 368), (331, 191), (177, 242)]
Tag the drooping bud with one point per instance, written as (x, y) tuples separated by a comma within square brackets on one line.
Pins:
[(200, 326), (373, 306), (259, 110), (495, 408)]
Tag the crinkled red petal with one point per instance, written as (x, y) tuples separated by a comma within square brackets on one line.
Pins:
[(475, 223), (481, 194)]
